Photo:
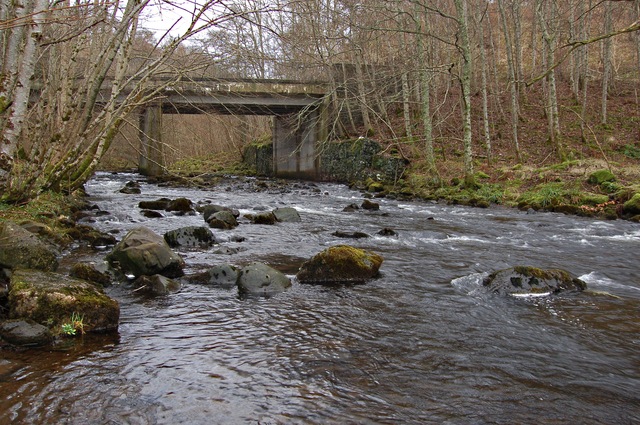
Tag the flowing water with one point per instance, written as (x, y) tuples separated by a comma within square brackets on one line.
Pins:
[(424, 343)]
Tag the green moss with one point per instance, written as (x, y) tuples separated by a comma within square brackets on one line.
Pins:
[(632, 206), (601, 176)]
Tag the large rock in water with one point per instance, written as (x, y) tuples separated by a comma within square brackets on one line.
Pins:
[(532, 281), (192, 236), (142, 252), (20, 248), (51, 299), (287, 215), (260, 279), (25, 333), (340, 264)]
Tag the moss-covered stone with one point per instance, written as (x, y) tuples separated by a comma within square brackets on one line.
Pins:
[(20, 248), (51, 299), (601, 176), (526, 280), (340, 264), (632, 206)]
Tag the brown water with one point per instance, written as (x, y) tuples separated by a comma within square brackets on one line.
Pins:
[(422, 344)]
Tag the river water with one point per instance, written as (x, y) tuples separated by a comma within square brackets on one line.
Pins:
[(422, 344)]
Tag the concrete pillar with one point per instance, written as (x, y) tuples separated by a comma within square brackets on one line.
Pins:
[(151, 161), (295, 152)]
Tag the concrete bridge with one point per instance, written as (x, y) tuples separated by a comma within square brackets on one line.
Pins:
[(299, 110)]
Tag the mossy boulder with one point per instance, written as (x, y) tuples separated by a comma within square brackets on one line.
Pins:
[(261, 279), (190, 236), (532, 281), (91, 272), (20, 248), (51, 299), (340, 264), (143, 252), (632, 206), (601, 176)]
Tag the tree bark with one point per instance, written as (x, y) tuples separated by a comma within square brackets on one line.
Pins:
[(465, 82)]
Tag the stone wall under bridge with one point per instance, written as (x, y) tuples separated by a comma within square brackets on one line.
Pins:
[(339, 161)]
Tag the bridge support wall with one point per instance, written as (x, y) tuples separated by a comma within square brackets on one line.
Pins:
[(296, 139), (151, 161)]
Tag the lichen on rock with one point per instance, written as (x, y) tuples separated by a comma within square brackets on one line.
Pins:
[(340, 264), (51, 299), (526, 280)]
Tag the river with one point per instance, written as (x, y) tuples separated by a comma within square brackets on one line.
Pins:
[(422, 344)]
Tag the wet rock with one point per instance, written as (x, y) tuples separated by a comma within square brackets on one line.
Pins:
[(180, 205), (225, 276), (223, 220), (262, 218), (287, 215), (389, 232), (209, 210), (351, 208), (151, 214), (191, 236), (96, 238), (524, 280), (340, 264), (156, 285), (25, 333), (370, 205), (225, 250), (20, 248), (142, 252), (131, 188), (51, 299), (350, 235), (91, 273), (260, 279), (157, 205)]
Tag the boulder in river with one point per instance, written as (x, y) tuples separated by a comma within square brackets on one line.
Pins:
[(20, 248), (143, 252), (158, 204), (370, 205), (532, 281), (260, 279), (287, 215), (349, 235), (25, 333), (52, 299), (209, 210), (92, 272), (131, 188), (191, 236), (156, 285), (340, 264), (224, 275), (224, 220), (266, 217), (180, 206)]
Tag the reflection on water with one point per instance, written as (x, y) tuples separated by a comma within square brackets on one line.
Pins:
[(422, 344)]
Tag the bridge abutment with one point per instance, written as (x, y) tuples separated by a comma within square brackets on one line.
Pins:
[(151, 161)]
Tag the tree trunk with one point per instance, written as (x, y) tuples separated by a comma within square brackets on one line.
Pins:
[(425, 88), (465, 82), (549, 37), (485, 95), (406, 105), (515, 109), (606, 59)]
